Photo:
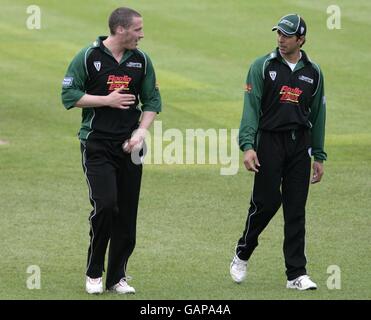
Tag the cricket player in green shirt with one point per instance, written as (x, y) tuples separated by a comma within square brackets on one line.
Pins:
[(282, 127), (114, 84)]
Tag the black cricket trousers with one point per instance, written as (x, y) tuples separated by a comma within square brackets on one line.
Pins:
[(114, 187), (283, 178)]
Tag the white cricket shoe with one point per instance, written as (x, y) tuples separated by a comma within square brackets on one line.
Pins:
[(122, 287), (301, 283), (238, 269), (94, 286)]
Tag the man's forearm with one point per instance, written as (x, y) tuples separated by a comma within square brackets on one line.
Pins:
[(147, 119), (88, 101)]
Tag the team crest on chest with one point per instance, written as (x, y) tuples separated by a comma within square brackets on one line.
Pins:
[(273, 74), (97, 65)]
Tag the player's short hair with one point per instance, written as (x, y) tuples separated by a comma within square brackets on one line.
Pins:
[(121, 17), (303, 41)]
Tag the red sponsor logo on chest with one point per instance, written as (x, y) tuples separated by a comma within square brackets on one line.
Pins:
[(289, 94), (116, 82)]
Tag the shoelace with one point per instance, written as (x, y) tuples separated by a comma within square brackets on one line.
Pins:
[(126, 279), (239, 265), (298, 282)]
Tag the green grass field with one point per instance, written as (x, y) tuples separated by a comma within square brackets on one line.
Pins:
[(190, 216)]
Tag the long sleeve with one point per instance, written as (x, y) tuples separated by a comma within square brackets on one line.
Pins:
[(252, 106), (318, 120)]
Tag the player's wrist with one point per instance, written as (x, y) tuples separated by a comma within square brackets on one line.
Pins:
[(105, 101), (140, 134)]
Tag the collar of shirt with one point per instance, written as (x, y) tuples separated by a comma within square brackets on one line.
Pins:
[(99, 43), (304, 60)]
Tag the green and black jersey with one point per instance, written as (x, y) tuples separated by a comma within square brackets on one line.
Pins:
[(95, 71), (279, 99)]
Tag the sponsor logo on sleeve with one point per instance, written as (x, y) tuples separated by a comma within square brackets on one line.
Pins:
[(67, 82), (248, 87)]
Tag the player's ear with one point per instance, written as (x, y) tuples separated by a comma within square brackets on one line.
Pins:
[(301, 40), (120, 30)]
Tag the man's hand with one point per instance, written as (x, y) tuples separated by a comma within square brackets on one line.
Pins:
[(138, 136), (120, 100), (135, 142), (317, 172), (251, 160), (114, 100)]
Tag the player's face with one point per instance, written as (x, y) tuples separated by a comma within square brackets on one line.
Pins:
[(132, 35), (288, 45)]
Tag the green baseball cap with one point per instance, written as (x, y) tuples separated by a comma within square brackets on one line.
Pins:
[(291, 24)]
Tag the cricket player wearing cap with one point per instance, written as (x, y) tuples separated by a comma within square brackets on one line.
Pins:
[(282, 127)]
